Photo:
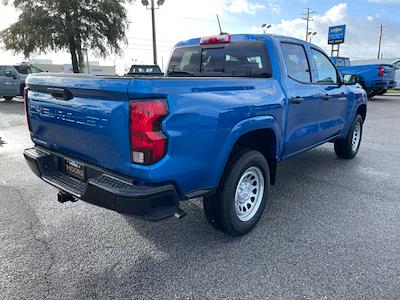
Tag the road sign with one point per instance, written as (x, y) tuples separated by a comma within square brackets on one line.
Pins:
[(336, 34)]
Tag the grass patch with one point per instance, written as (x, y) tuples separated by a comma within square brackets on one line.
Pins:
[(393, 92)]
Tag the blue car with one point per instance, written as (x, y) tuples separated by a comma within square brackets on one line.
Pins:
[(229, 108)]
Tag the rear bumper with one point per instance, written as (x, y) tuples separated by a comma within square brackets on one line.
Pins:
[(105, 189)]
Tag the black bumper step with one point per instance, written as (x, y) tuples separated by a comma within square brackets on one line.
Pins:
[(106, 190)]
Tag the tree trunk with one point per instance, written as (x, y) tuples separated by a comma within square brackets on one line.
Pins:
[(81, 57), (74, 57)]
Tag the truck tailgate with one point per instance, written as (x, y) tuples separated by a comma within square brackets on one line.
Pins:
[(82, 116)]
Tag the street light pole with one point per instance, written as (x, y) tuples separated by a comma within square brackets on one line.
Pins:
[(380, 42), (153, 21)]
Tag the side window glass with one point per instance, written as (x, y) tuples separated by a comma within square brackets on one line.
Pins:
[(2, 71), (9, 69), (296, 62), (326, 70)]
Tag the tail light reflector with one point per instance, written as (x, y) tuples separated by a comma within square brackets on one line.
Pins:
[(381, 72), (148, 142)]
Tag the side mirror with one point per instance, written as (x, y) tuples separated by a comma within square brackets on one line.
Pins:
[(350, 79)]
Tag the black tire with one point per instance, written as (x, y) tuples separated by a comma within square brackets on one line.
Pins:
[(21, 89), (8, 98), (220, 209), (371, 94), (381, 92), (344, 148)]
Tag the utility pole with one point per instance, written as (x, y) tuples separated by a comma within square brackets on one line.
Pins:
[(380, 42), (308, 18)]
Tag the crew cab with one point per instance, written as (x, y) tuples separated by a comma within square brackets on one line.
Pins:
[(375, 78), (228, 110), (12, 79)]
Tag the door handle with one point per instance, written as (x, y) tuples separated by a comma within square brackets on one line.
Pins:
[(297, 100)]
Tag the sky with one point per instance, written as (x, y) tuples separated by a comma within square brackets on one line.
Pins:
[(179, 20)]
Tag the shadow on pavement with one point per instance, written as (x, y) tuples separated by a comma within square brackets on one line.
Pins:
[(297, 220)]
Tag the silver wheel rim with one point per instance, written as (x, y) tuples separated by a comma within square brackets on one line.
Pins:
[(356, 137), (249, 194)]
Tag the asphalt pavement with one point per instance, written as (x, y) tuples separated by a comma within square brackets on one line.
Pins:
[(331, 231)]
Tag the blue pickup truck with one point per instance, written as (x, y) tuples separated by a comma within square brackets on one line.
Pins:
[(375, 79), (229, 108)]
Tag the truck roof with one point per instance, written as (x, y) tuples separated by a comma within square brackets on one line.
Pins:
[(241, 38)]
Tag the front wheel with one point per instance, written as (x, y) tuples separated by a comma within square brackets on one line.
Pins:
[(348, 147), (241, 199)]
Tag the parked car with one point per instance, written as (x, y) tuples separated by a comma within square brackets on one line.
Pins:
[(229, 109), (375, 78), (145, 70), (391, 61), (12, 79)]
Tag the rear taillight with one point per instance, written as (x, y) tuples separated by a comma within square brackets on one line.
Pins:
[(26, 105), (381, 72), (148, 143)]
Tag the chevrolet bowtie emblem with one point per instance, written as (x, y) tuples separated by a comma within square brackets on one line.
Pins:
[(336, 30)]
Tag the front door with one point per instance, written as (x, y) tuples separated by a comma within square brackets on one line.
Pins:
[(333, 108)]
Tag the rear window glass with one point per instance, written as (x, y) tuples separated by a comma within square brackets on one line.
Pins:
[(145, 69), (243, 59)]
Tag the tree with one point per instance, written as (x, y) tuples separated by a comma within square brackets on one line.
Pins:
[(73, 25)]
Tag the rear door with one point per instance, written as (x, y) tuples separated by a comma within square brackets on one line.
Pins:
[(333, 99), (304, 99)]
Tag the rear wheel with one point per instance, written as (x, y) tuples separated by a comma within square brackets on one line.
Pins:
[(381, 92), (21, 89), (371, 93), (8, 98), (240, 201), (348, 147)]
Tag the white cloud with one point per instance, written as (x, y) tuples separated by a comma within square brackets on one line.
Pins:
[(183, 19), (275, 7), (243, 6), (362, 34)]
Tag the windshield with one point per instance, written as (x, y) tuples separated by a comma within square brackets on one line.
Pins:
[(243, 59), (27, 69)]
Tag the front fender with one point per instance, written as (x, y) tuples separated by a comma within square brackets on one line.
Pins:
[(242, 128)]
